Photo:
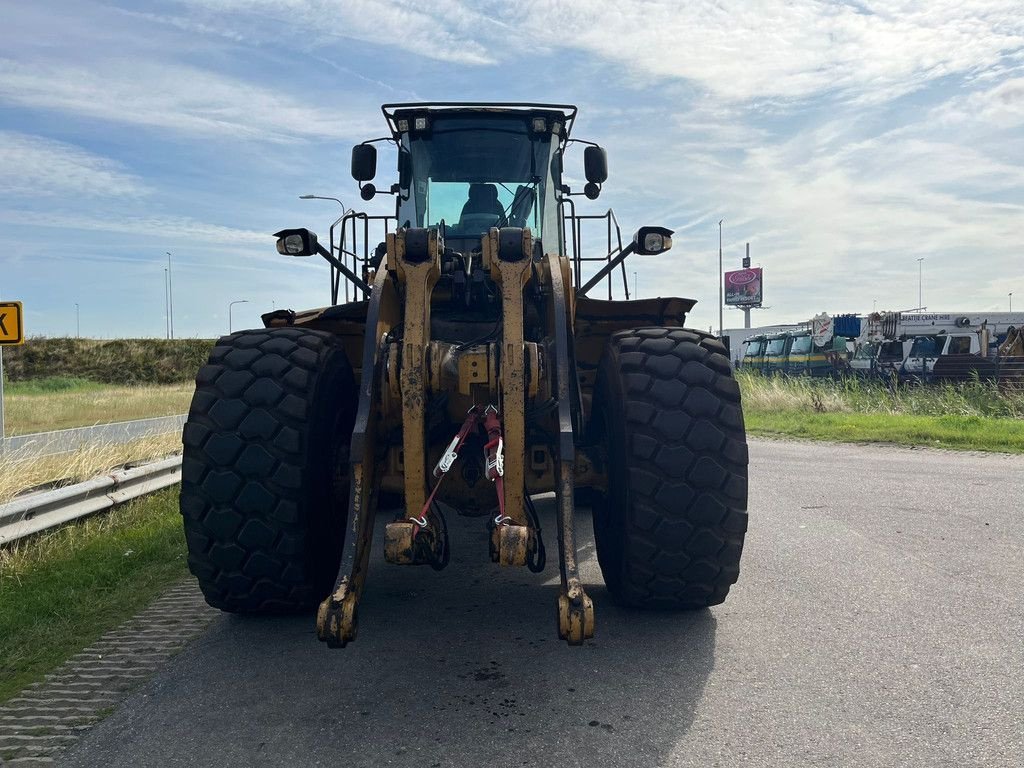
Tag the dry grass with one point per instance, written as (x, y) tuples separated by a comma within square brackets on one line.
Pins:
[(19, 473), (32, 410)]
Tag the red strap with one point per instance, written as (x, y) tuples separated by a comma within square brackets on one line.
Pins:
[(472, 419), (493, 459)]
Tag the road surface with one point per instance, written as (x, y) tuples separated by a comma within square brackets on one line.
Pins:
[(877, 622), (65, 440)]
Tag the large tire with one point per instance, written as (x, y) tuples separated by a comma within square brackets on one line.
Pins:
[(264, 488), (670, 528)]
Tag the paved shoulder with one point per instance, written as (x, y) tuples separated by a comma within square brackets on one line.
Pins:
[(877, 622)]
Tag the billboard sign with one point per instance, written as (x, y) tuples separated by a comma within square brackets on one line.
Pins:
[(744, 288)]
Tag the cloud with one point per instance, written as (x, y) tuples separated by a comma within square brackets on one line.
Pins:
[(999, 107), (445, 30), (771, 51), (165, 228), (172, 97), (32, 166), (873, 50)]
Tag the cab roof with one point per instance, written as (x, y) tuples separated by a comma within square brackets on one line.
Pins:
[(565, 113)]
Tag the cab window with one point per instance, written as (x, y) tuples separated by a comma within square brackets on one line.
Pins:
[(801, 345), (959, 345)]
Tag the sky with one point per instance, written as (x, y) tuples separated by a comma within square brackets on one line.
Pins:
[(843, 140)]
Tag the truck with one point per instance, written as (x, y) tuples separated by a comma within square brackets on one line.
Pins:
[(776, 353), (753, 353), (943, 346)]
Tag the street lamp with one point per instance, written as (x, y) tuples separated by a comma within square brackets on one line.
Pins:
[(1011, 301), (230, 306), (636, 293), (344, 212), (721, 277), (170, 299), (78, 324), (319, 197)]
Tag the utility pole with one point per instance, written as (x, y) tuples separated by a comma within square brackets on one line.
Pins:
[(920, 283), (167, 308), (170, 299), (746, 307), (721, 278), (636, 293), (1011, 301), (78, 324)]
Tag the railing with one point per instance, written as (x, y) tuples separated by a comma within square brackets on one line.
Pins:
[(573, 230), (37, 512), (354, 248)]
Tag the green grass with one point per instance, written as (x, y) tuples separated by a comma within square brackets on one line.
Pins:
[(970, 433), (971, 416), (62, 590), (49, 385)]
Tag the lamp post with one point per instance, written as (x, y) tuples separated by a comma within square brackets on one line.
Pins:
[(636, 293), (78, 324), (920, 283), (344, 212), (1011, 301), (170, 299), (321, 197), (721, 277), (230, 306), (167, 308)]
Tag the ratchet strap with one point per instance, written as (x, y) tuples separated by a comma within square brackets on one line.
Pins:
[(451, 453)]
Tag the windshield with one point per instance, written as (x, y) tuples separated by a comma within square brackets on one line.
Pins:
[(891, 351), (927, 346), (801, 345), (477, 172), (865, 351), (775, 346), (753, 348)]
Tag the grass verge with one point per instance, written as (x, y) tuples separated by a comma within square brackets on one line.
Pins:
[(61, 590), (968, 433), (972, 416), (20, 472), (42, 405)]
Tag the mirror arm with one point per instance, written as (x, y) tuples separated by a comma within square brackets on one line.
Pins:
[(338, 265), (606, 269)]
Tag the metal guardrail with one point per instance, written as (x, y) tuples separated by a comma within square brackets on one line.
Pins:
[(36, 512), (65, 440)]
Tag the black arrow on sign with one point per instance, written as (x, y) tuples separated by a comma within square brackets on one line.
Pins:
[(3, 326)]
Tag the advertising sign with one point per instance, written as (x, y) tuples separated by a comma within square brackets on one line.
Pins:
[(743, 287)]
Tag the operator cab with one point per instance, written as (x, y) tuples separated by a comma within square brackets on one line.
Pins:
[(465, 169)]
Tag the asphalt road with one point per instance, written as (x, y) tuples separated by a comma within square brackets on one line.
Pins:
[(65, 440), (877, 622)]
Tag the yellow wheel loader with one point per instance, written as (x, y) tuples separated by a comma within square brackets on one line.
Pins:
[(467, 370)]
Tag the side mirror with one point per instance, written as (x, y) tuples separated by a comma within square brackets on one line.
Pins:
[(649, 241), (595, 164), (296, 242), (364, 162)]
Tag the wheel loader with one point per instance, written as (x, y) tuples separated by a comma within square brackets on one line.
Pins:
[(467, 370)]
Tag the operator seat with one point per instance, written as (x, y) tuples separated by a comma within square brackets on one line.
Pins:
[(482, 210)]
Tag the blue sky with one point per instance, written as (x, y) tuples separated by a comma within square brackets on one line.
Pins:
[(842, 140)]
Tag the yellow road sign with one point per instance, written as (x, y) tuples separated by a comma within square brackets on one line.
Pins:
[(12, 327)]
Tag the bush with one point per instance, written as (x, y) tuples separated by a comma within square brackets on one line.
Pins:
[(118, 361)]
